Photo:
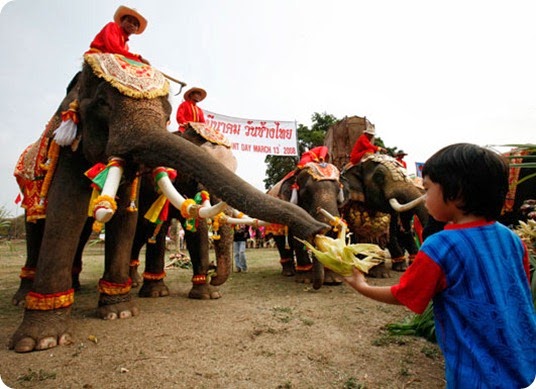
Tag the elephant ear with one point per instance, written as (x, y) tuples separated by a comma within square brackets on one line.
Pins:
[(354, 181), (285, 185)]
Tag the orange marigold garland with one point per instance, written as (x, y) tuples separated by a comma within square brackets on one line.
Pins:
[(47, 302), (103, 201), (133, 195), (199, 279), (50, 167)]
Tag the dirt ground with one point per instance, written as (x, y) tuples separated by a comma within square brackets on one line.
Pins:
[(267, 331)]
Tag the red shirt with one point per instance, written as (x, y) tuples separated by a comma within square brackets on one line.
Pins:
[(362, 146), (112, 39), (188, 111), (402, 162)]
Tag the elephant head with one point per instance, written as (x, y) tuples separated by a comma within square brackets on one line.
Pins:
[(379, 184), (314, 187), (120, 118)]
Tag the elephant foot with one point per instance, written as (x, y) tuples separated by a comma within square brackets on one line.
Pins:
[(379, 271), (288, 269), (42, 330), (331, 278), (113, 307), (153, 288), (136, 277), (304, 277), (399, 266), (204, 292), (19, 298)]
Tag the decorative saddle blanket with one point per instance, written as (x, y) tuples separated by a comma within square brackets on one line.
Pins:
[(131, 78), (322, 171), (210, 134), (390, 163)]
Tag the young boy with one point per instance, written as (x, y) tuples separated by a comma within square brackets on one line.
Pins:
[(476, 272)]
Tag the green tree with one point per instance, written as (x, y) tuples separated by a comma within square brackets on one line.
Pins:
[(278, 166)]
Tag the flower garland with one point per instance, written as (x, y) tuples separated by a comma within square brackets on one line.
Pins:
[(153, 276), (50, 167), (134, 195), (27, 273), (102, 201)]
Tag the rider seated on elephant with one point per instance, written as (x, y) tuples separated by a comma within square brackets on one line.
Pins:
[(316, 154), (114, 36), (364, 146), (188, 110)]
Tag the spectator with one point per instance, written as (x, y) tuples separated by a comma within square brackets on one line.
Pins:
[(241, 235)]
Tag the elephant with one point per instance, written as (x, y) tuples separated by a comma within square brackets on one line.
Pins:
[(197, 241), (119, 109), (522, 186), (312, 186), (379, 184)]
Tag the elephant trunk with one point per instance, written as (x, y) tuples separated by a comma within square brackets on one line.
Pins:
[(157, 147)]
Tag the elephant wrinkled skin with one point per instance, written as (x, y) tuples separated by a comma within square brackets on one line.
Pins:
[(112, 124)]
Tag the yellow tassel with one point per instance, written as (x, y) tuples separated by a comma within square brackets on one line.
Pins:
[(133, 195)]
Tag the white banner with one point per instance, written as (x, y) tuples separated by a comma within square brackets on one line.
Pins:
[(269, 137)]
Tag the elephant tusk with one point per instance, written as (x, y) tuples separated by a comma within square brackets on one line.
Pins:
[(104, 214), (333, 220), (167, 188), (243, 220), (406, 207), (205, 212), (294, 196)]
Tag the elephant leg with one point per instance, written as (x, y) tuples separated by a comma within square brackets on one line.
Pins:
[(143, 232), (398, 258), (34, 236), (115, 300), (304, 265), (77, 262), (406, 236), (46, 322), (223, 249), (153, 276), (286, 255), (198, 248)]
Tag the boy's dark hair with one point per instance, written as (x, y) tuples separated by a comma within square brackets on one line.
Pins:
[(474, 176)]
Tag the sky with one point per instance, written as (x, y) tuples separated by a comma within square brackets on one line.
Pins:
[(425, 73)]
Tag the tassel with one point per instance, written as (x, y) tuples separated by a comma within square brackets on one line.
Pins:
[(65, 134)]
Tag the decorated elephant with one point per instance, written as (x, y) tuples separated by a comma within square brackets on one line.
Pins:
[(522, 185), (153, 236), (380, 185), (119, 110), (312, 186)]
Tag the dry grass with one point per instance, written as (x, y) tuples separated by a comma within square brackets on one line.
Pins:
[(266, 332)]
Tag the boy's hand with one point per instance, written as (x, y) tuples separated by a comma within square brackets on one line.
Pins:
[(356, 280)]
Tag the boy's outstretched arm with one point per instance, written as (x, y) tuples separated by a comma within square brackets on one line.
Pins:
[(379, 293)]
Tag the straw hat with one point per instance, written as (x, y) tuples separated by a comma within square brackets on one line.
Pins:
[(123, 11), (192, 90), (370, 130)]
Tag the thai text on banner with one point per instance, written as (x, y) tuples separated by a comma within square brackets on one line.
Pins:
[(270, 137)]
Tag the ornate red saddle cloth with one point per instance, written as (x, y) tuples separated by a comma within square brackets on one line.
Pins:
[(322, 171), (210, 134), (131, 78)]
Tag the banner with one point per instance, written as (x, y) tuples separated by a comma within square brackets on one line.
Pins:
[(268, 137)]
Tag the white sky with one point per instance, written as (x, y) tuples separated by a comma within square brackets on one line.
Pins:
[(426, 73)]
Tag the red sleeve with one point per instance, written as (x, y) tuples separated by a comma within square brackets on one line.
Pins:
[(183, 115), (201, 115), (111, 40), (419, 283)]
